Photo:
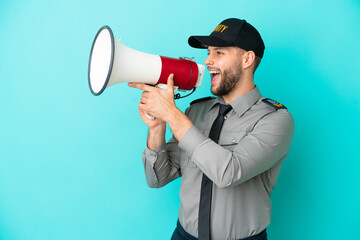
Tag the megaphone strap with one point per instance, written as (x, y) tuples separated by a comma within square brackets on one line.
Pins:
[(178, 96)]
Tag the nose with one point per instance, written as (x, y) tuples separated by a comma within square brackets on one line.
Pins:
[(209, 61)]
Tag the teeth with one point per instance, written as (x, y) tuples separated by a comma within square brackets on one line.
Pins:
[(214, 72)]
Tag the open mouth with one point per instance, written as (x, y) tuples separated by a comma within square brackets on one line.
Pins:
[(215, 74)]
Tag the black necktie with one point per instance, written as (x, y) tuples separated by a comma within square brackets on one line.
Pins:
[(206, 183)]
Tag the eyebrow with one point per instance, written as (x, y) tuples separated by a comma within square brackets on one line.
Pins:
[(216, 48)]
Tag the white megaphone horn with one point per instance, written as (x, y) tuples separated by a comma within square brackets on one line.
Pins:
[(112, 62)]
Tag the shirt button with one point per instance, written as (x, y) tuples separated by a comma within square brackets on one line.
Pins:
[(225, 117), (234, 141)]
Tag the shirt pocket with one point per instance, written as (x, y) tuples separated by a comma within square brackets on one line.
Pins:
[(229, 139)]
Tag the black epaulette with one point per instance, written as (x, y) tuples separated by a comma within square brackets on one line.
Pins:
[(273, 103), (201, 100)]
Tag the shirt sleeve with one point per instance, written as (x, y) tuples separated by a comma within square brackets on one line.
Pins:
[(162, 165), (267, 144)]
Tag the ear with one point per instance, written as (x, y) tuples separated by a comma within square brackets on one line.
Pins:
[(248, 59)]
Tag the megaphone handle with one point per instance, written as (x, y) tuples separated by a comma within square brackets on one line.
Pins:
[(149, 117), (161, 86)]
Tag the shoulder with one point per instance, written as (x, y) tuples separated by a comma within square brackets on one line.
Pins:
[(200, 106), (202, 100), (275, 113), (267, 105), (274, 104)]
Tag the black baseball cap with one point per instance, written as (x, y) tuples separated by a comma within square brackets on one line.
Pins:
[(232, 32)]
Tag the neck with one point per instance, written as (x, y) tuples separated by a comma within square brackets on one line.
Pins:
[(245, 85)]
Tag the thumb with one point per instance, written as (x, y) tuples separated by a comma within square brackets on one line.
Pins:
[(170, 83)]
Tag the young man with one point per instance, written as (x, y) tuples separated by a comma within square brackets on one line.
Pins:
[(228, 150)]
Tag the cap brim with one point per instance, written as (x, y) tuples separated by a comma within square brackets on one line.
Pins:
[(206, 41)]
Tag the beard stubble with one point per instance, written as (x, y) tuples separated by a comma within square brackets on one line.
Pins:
[(229, 79)]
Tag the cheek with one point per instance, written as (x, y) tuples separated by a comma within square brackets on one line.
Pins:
[(227, 64)]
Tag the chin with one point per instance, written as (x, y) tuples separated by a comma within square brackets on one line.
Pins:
[(214, 91)]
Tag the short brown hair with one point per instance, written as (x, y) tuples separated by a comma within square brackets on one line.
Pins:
[(256, 61)]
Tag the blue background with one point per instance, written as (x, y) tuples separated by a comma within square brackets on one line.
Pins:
[(70, 162)]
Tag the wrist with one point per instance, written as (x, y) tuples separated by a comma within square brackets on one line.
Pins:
[(172, 115), (156, 136), (158, 128), (179, 123)]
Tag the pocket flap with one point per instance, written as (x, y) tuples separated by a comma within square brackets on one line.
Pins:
[(230, 138)]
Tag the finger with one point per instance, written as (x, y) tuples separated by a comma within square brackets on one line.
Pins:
[(141, 86), (145, 94), (144, 117), (143, 107), (142, 114), (170, 82), (143, 100)]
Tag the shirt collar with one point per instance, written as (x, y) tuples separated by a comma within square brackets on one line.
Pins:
[(241, 104)]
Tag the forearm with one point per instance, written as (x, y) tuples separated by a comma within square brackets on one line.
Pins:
[(178, 122), (156, 136), (162, 164)]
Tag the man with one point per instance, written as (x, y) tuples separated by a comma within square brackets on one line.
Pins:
[(228, 150)]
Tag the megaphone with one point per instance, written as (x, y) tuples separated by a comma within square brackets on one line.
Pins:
[(112, 62)]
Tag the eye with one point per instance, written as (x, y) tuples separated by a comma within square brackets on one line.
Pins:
[(217, 53)]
